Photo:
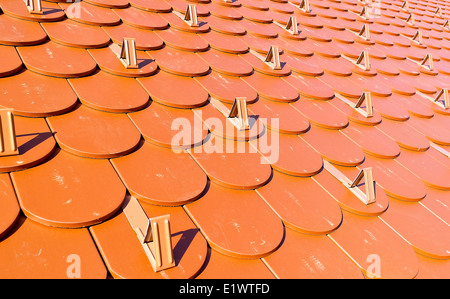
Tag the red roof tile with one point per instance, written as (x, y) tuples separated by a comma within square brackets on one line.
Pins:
[(251, 134), (78, 191), (105, 135), (31, 94), (361, 236), (319, 258), (48, 252)]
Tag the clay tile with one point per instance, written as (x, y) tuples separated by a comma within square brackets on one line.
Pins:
[(337, 66), (272, 88), (100, 134), (167, 169), (390, 108), (67, 253), (141, 18), (358, 115), (34, 144), (371, 84), (225, 26), (388, 262), (78, 191), (434, 201), (10, 61), (20, 33), (224, 11), (178, 23), (334, 146), (409, 188), (145, 39), (321, 113), (180, 62), (302, 65), (322, 48), (225, 42), (430, 268), (169, 127), (99, 91), (31, 94), (89, 14), (75, 34), (109, 60), (285, 193), (182, 6), (320, 259), (110, 3), (220, 266), (280, 117), (258, 29), (56, 60), (10, 207), (253, 218), (225, 88), (372, 140), (346, 196), (183, 40), (50, 11), (232, 163), (226, 63), (190, 94), (414, 105), (151, 5), (421, 238), (255, 15), (258, 44), (231, 122), (428, 127)]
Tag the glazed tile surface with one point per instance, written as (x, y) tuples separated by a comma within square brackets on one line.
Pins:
[(115, 100)]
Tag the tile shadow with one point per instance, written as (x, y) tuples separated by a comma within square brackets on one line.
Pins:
[(183, 244), (39, 138)]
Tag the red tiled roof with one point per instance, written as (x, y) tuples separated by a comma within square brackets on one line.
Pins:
[(358, 89)]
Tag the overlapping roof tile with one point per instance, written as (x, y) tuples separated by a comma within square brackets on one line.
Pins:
[(283, 139)]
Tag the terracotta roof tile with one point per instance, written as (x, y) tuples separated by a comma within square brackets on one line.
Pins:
[(52, 11), (220, 266), (31, 94), (319, 258), (164, 126), (56, 60), (157, 175), (98, 92), (262, 129), (104, 135), (107, 60), (78, 191), (251, 217), (190, 94), (11, 62), (179, 62), (48, 252), (145, 39), (20, 33), (224, 87), (86, 13), (75, 34), (10, 207), (334, 146), (361, 236), (35, 144), (288, 197)]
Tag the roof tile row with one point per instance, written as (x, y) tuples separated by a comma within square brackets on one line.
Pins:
[(247, 204)]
